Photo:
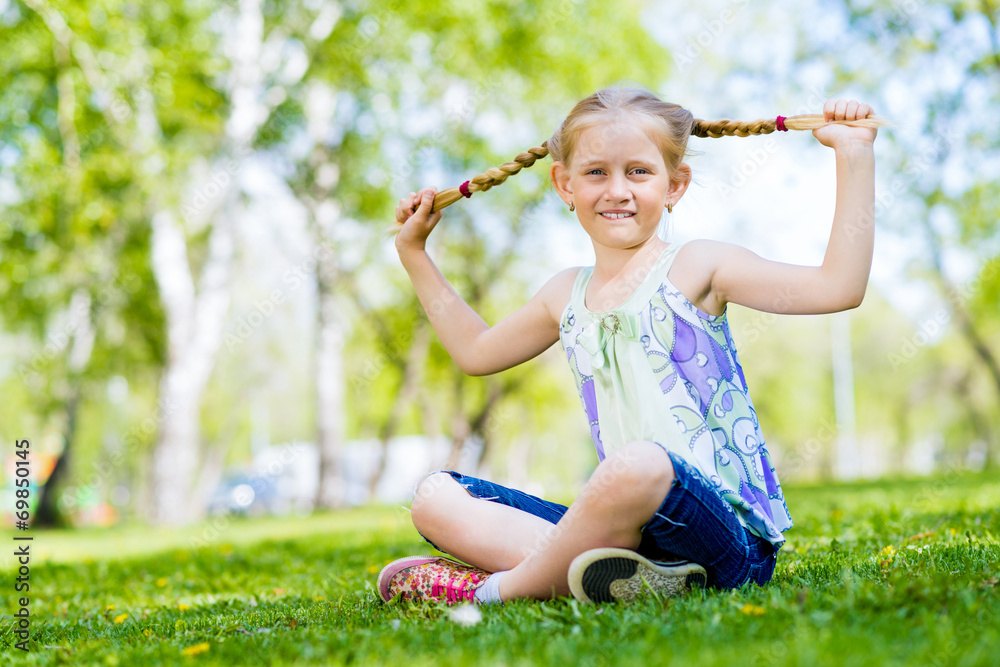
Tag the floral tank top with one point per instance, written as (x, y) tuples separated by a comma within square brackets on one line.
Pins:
[(657, 368)]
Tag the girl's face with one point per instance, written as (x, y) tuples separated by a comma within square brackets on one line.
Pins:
[(619, 183)]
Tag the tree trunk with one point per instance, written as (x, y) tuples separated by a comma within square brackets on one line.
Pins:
[(48, 514), (81, 323), (194, 326), (330, 388), (175, 455), (195, 319)]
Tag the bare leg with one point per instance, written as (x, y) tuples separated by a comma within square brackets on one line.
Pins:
[(485, 534), (623, 493)]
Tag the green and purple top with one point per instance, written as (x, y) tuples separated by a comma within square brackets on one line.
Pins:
[(657, 368)]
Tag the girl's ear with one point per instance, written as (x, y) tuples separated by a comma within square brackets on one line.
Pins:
[(679, 182), (560, 180)]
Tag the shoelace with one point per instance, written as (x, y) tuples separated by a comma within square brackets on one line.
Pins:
[(453, 589)]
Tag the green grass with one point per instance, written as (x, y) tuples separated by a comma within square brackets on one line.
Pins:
[(899, 572)]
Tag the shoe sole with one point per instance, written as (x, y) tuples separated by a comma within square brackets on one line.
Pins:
[(607, 575), (395, 566)]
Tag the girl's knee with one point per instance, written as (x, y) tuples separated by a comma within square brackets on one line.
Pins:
[(638, 469), (431, 499), (641, 460)]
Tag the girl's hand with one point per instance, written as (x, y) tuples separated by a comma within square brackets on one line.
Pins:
[(414, 213), (838, 136)]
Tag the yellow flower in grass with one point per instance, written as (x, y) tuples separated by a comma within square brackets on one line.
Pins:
[(749, 609), (161, 582), (372, 569), (191, 651), (183, 607), (120, 618), (886, 556), (109, 607)]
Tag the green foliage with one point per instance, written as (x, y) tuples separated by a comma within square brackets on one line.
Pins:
[(891, 573), (85, 188)]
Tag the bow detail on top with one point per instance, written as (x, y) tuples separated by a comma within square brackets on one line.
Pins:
[(596, 336)]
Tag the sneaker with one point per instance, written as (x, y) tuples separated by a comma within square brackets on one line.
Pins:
[(430, 578), (606, 575)]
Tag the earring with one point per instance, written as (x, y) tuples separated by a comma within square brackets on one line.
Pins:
[(665, 230), (571, 207)]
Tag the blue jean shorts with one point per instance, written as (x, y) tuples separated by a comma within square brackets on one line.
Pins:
[(694, 523)]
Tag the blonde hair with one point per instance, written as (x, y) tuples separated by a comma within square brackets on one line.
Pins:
[(671, 126)]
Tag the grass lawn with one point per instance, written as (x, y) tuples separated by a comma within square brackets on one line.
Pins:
[(901, 572)]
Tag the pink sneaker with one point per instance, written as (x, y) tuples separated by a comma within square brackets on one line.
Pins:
[(430, 578)]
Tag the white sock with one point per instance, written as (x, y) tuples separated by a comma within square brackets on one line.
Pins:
[(489, 592)]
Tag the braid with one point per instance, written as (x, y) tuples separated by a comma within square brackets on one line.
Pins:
[(736, 128), (731, 128), (492, 176)]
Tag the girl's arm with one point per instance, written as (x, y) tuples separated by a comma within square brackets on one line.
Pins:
[(477, 348), (733, 274)]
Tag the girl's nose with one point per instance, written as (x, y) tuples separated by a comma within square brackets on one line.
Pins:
[(618, 188)]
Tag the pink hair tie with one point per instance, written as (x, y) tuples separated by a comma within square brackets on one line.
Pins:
[(464, 189), (780, 122)]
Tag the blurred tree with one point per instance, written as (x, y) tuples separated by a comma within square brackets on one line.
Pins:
[(155, 112), (954, 172), (73, 271)]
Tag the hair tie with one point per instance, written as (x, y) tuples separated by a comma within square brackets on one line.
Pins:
[(780, 123), (464, 189)]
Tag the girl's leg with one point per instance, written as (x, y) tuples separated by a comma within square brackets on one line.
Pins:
[(695, 523), (623, 493), (486, 534)]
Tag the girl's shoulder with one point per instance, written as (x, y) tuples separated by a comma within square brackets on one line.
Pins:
[(693, 269), (557, 292)]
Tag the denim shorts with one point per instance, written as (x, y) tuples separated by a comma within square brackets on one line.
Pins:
[(694, 523)]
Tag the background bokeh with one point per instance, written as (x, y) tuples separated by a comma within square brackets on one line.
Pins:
[(202, 310)]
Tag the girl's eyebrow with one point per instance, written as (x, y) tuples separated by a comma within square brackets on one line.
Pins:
[(597, 162)]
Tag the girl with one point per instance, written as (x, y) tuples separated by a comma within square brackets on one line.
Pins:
[(685, 491)]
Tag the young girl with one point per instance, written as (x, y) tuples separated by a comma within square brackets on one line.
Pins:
[(685, 491)]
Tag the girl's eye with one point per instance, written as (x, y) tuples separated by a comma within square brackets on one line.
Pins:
[(641, 172), (593, 171)]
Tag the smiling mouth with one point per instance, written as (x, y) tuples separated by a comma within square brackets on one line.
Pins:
[(617, 216)]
